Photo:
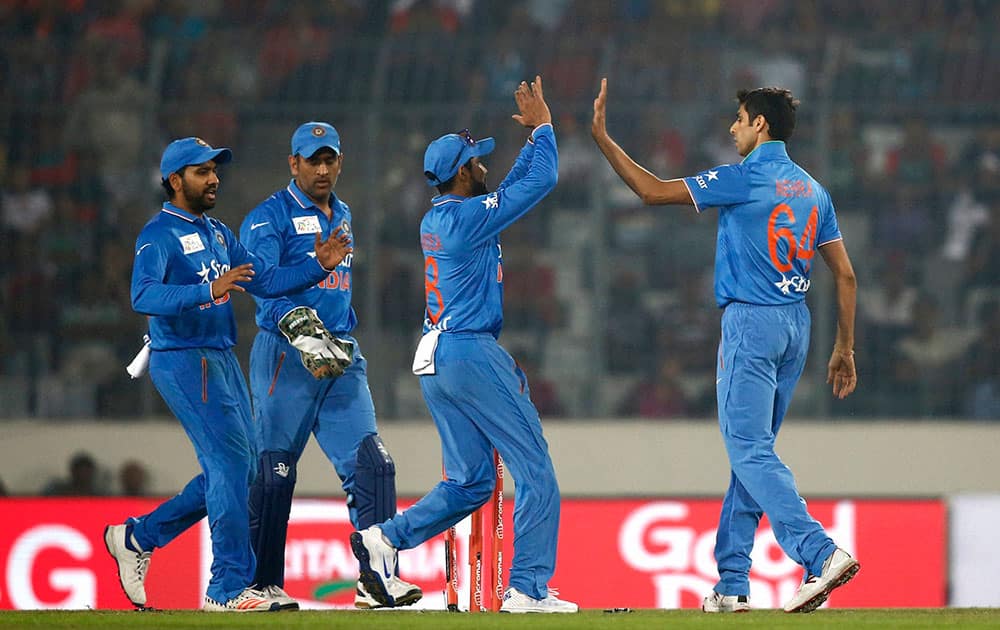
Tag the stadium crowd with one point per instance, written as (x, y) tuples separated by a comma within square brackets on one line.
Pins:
[(898, 119)]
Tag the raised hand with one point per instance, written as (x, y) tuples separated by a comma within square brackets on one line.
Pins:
[(531, 103), (333, 250), (228, 281), (598, 126)]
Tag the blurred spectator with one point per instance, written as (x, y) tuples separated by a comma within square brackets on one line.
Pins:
[(82, 480), (133, 479), (544, 391), (982, 392), (885, 312), (120, 22), (25, 207), (628, 328), (428, 15), (919, 160), (966, 214), (294, 41), (658, 396), (181, 30), (111, 121), (530, 300), (983, 268), (908, 220), (928, 358)]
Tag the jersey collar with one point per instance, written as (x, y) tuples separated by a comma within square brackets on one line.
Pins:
[(770, 150), (305, 202), (171, 209), (440, 200)]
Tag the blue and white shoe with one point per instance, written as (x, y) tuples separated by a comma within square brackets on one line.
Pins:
[(838, 570), (377, 564), (514, 601), (133, 562)]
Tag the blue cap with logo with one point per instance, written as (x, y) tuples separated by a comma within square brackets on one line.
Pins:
[(448, 153), (188, 151), (313, 136)]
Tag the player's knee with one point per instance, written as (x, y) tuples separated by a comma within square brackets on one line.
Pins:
[(276, 471), (373, 497), (475, 492)]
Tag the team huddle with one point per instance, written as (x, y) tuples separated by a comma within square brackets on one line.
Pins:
[(309, 376)]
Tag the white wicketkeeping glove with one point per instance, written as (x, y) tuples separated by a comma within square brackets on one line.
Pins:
[(324, 355)]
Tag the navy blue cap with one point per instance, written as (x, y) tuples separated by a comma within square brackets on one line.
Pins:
[(313, 136), (448, 153), (188, 151)]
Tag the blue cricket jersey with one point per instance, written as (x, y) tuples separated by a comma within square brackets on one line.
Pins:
[(177, 256), (281, 231), (773, 216), (460, 238)]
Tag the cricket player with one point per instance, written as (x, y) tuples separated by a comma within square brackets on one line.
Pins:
[(290, 400), (773, 217), (477, 394), (186, 265)]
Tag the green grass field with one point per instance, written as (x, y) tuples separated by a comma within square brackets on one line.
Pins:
[(400, 620)]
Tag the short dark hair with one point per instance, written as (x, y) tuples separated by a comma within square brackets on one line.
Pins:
[(166, 183), (776, 105), (445, 187)]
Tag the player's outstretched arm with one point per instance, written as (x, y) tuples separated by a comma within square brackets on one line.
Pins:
[(841, 372), (650, 188)]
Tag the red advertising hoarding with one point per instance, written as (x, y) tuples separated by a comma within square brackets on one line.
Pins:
[(653, 553)]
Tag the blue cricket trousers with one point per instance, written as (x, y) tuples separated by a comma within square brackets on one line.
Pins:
[(480, 400), (761, 357), (290, 404), (206, 390)]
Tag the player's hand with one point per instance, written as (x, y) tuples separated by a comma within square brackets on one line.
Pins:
[(333, 250), (841, 373), (598, 126), (228, 281), (324, 355), (531, 103)]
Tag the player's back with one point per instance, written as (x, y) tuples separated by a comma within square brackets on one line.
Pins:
[(772, 217), (463, 279)]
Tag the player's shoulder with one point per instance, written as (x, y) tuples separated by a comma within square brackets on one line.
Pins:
[(274, 203)]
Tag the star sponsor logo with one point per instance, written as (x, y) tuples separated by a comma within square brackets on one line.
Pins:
[(491, 201), (203, 273), (796, 284), (709, 176)]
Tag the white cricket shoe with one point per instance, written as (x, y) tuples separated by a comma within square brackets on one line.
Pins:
[(278, 594), (132, 565), (250, 600), (838, 570), (377, 561), (716, 603), (365, 601), (514, 601)]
